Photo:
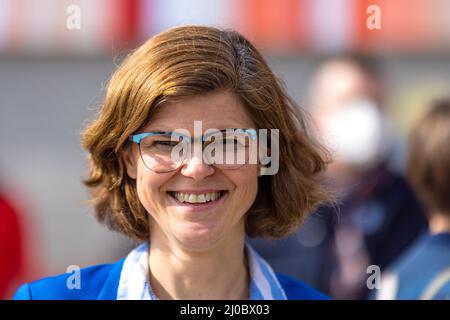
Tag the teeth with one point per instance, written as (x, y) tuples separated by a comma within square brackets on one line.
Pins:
[(196, 198)]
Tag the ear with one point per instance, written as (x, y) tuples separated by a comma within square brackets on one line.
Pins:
[(130, 162)]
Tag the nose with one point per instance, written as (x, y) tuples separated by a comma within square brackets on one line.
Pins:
[(197, 169)]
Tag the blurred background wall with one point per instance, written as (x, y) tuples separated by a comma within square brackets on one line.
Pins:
[(53, 75)]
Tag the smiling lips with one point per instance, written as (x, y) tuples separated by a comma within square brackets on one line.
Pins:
[(195, 197)]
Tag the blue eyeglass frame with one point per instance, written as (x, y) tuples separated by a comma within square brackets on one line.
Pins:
[(137, 138)]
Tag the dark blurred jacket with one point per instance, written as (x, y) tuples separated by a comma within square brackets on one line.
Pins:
[(381, 208)]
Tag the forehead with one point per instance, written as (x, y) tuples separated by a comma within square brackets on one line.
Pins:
[(219, 110)]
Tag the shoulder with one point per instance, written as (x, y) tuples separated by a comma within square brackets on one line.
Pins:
[(95, 282), (427, 253), (429, 256), (298, 290)]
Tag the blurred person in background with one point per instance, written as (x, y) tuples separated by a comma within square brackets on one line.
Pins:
[(378, 215), (423, 272), (11, 253)]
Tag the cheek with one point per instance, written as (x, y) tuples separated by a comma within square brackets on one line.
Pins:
[(148, 189), (246, 182)]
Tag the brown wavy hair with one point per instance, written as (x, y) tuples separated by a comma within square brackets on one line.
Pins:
[(428, 161), (192, 60)]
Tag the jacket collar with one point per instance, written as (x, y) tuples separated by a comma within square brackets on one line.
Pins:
[(133, 282), (109, 290)]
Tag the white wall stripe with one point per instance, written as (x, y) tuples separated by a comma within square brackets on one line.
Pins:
[(332, 24), (5, 14)]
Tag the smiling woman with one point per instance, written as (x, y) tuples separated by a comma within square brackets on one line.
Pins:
[(191, 214)]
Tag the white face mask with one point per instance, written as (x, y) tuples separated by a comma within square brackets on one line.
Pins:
[(355, 133)]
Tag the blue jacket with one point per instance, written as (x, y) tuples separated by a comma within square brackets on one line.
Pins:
[(418, 270), (101, 282)]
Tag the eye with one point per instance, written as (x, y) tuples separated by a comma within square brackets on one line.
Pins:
[(165, 144), (234, 143), (229, 142), (155, 144)]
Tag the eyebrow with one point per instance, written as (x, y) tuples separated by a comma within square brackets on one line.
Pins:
[(173, 130), (169, 133)]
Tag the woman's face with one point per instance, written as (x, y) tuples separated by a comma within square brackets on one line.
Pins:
[(196, 227)]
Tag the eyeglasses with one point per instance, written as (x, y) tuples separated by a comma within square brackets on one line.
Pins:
[(165, 151)]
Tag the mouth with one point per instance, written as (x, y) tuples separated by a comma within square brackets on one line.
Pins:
[(197, 200)]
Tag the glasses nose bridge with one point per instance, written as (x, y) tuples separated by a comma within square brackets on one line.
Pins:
[(195, 147)]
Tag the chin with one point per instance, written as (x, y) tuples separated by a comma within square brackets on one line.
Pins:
[(198, 236)]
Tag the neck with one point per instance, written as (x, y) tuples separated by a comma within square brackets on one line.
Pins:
[(439, 223), (219, 273)]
